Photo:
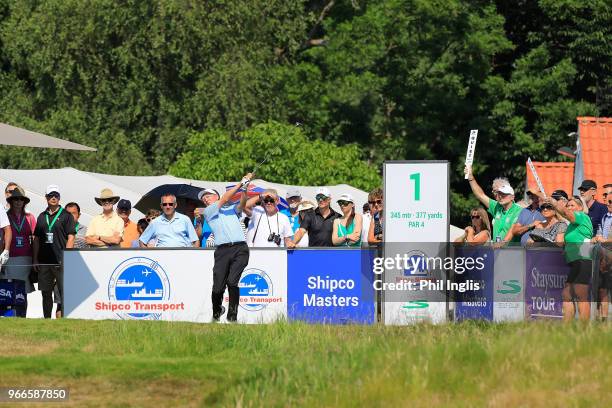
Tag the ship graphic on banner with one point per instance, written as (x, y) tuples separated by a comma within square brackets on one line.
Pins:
[(138, 279)]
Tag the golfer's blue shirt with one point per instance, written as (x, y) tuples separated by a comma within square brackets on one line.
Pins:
[(224, 223), (177, 232)]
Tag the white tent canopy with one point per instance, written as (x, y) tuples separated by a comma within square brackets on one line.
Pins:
[(81, 187), (14, 136)]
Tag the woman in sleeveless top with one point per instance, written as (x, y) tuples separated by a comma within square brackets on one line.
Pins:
[(22, 227), (347, 230)]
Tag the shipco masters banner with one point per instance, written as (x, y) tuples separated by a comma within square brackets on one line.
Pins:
[(330, 286)]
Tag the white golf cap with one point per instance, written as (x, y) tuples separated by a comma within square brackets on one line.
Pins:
[(207, 191), (293, 192), (52, 188), (323, 191), (346, 197), (506, 189)]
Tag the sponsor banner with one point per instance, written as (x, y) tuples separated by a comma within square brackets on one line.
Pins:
[(12, 292), (546, 273), (263, 288), (138, 284), (475, 304), (509, 283), (415, 283), (331, 286)]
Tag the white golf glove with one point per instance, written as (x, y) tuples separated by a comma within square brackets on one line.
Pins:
[(4, 257), (244, 183)]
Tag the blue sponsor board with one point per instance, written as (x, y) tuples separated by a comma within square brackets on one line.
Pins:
[(330, 286), (12, 292), (474, 304)]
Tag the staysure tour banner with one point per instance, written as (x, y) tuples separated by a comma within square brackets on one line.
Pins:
[(546, 273)]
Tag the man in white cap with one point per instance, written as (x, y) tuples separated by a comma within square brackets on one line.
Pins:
[(319, 224), (106, 229), (294, 198), (274, 231), (232, 252), (54, 232), (504, 210)]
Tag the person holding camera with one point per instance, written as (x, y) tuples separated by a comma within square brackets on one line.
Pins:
[(268, 227)]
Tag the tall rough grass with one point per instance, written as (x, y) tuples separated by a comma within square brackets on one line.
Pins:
[(138, 363)]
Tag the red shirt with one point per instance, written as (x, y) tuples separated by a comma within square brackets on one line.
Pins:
[(22, 229)]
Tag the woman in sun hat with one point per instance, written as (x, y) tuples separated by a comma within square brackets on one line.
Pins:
[(20, 253), (304, 207)]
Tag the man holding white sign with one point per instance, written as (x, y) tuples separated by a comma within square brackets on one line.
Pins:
[(504, 210)]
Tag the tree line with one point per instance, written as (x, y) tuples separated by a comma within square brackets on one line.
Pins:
[(203, 89)]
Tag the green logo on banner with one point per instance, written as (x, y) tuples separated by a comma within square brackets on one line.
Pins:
[(416, 304), (512, 287)]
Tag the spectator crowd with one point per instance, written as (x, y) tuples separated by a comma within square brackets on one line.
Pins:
[(33, 245), (580, 224)]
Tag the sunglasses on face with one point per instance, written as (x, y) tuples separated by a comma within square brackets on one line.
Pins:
[(377, 202), (546, 207), (52, 195), (475, 217), (268, 200), (321, 197), (106, 201), (167, 204), (344, 203), (18, 199)]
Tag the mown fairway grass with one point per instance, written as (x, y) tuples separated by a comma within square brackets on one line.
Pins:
[(139, 363)]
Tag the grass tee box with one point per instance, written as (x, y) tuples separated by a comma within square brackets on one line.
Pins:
[(157, 363)]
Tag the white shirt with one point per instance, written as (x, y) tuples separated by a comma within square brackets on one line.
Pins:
[(4, 221), (262, 225), (365, 228), (303, 241)]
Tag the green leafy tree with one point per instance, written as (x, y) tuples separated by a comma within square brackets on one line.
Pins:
[(292, 158)]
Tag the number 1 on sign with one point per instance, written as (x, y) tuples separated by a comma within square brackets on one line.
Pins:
[(416, 177)]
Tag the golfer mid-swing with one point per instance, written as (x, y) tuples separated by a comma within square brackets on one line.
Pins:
[(232, 252)]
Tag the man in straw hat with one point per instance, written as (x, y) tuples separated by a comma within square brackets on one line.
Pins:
[(54, 232), (105, 229)]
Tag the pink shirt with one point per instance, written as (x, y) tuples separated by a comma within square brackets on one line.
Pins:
[(20, 244)]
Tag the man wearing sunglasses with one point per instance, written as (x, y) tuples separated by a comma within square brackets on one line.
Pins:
[(268, 227), (504, 210), (603, 231), (106, 229), (54, 232), (319, 224), (604, 237), (597, 210), (170, 230)]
